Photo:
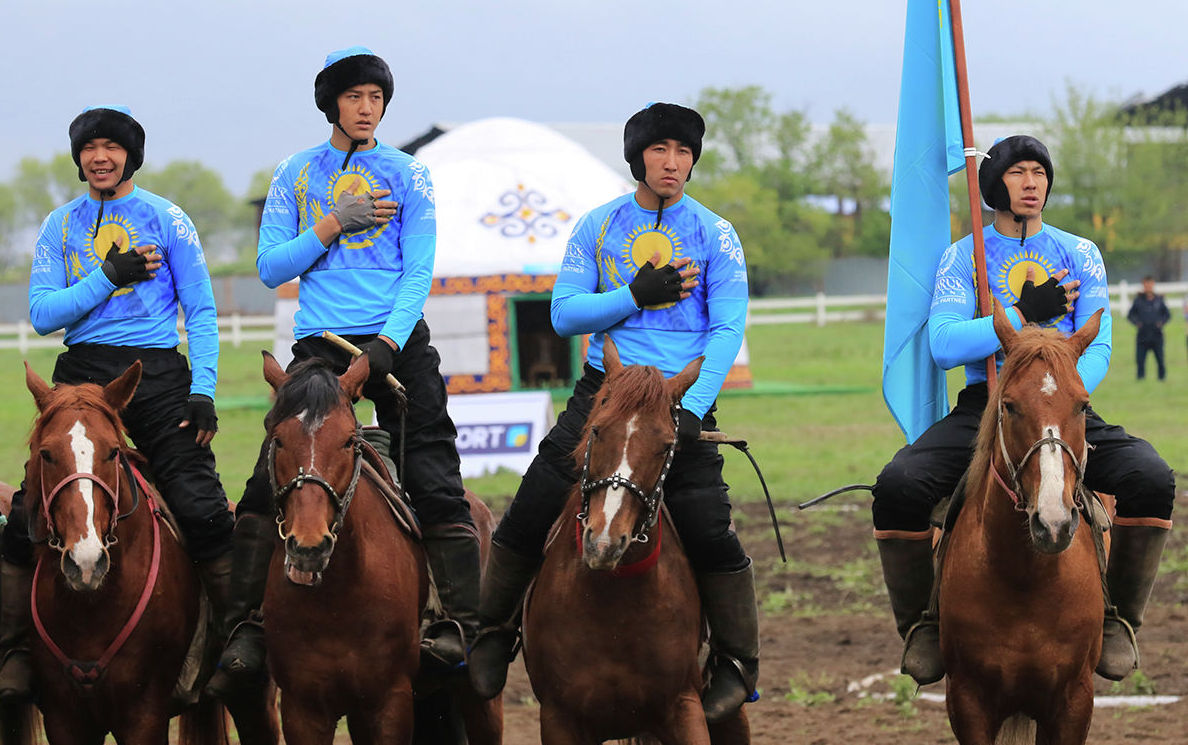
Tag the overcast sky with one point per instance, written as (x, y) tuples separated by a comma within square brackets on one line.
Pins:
[(230, 82)]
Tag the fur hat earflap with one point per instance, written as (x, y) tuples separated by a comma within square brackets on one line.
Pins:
[(113, 123), (660, 121), (1006, 153), (346, 68)]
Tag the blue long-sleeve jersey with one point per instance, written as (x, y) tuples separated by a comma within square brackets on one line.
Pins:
[(958, 337), (591, 294), (68, 289), (373, 281)]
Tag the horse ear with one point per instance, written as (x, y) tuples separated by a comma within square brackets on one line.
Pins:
[(38, 387), (1003, 328), (610, 356), (119, 391), (355, 376), (273, 372), (679, 383), (1085, 335)]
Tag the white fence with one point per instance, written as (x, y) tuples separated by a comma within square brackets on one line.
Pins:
[(234, 329), (820, 309)]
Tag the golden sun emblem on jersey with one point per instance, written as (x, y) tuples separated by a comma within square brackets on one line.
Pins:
[(644, 242), (115, 229), (1013, 273), (354, 180)]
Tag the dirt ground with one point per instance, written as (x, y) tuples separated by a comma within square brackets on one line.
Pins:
[(826, 623)]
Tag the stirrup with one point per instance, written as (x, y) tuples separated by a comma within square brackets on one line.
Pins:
[(921, 651), (443, 645), (493, 650), (715, 703), (1102, 668)]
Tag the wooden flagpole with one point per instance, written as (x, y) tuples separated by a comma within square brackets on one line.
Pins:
[(971, 177)]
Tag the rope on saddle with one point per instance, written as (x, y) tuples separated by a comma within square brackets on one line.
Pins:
[(720, 438)]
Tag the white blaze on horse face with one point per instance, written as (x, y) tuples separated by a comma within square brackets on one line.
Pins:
[(613, 501), (88, 550), (312, 429), (1050, 497), (1049, 387)]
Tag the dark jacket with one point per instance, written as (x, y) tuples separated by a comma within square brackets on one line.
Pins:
[(1149, 314)]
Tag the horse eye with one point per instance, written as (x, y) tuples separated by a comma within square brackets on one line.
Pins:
[(1083, 409), (45, 455), (115, 453), (279, 444), (1010, 408)]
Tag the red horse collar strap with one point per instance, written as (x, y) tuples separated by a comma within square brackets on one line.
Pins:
[(635, 568)]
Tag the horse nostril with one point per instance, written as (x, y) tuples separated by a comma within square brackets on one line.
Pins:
[(291, 545)]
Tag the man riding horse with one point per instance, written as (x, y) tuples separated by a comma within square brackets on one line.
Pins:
[(112, 268), (354, 219), (1021, 250), (631, 268)]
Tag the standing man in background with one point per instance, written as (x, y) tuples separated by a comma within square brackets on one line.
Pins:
[(1149, 314)]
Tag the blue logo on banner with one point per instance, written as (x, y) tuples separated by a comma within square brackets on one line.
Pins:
[(494, 437)]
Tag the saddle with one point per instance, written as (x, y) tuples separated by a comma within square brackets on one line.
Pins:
[(379, 468)]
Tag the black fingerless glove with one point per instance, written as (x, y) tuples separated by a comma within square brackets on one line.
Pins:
[(200, 411), (653, 286), (1042, 303), (688, 427), (124, 267), (380, 359)]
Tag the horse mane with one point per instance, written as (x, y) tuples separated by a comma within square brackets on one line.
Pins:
[(632, 389), (312, 388), (1031, 344)]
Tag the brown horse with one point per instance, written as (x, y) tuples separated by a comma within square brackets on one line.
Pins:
[(114, 618), (1021, 600), (612, 626), (343, 636)]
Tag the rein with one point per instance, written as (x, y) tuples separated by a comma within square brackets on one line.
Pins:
[(650, 500), (86, 673), (1015, 491), (342, 502)]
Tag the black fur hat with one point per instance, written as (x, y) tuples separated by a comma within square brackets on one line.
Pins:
[(113, 123), (660, 121), (349, 67), (1006, 153)]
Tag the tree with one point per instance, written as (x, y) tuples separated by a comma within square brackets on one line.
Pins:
[(843, 170), (225, 222), (739, 118)]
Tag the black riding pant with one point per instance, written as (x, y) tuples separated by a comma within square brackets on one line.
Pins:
[(695, 493), (431, 477), (1144, 344), (926, 471), (183, 471)]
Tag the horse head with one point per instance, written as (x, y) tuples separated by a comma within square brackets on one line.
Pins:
[(314, 458), (625, 453), (75, 466), (1037, 418)]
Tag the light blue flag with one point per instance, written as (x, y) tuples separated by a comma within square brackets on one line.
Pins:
[(928, 148)]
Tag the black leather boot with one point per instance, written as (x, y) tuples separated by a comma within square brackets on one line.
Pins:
[(908, 573), (728, 600), (453, 553), (242, 662), (1134, 562), (16, 617), (506, 579)]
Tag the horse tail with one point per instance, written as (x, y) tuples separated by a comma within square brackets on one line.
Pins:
[(19, 724), (1018, 729), (204, 723)]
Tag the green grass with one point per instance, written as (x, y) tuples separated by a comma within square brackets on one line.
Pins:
[(806, 443)]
